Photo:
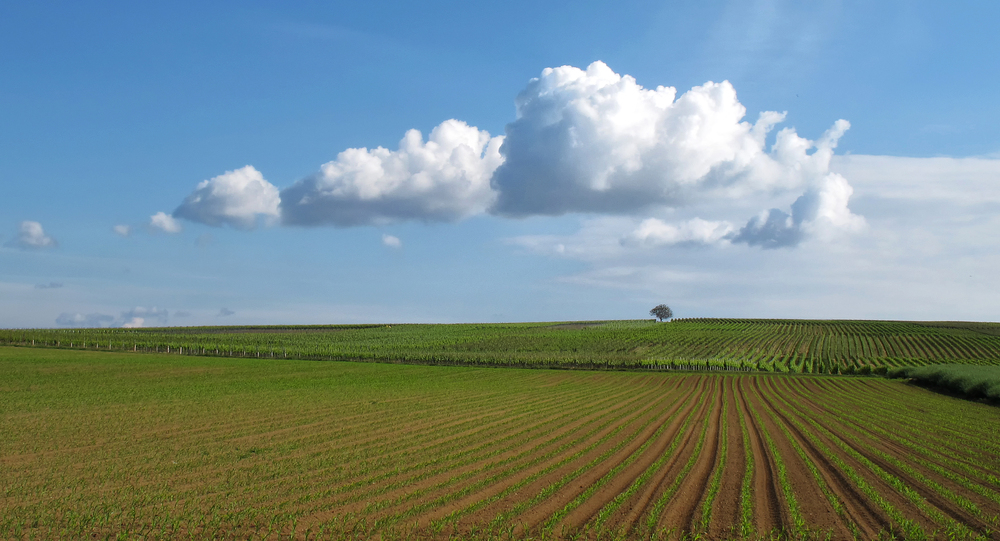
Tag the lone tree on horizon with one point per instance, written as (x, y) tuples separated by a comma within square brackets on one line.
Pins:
[(662, 311)]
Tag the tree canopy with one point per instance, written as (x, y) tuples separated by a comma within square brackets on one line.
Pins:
[(661, 312)]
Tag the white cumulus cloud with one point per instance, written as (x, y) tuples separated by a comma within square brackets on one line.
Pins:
[(583, 141), (598, 142), (656, 232), (929, 252), (236, 198), (31, 236), (164, 222), (391, 241), (445, 178), (122, 230), (820, 212)]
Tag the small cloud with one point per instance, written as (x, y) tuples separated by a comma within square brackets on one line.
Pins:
[(31, 236), (654, 232), (820, 212), (67, 319), (223, 312), (133, 323), (133, 318), (164, 222), (50, 285), (236, 198), (391, 241), (180, 313), (122, 230), (136, 316)]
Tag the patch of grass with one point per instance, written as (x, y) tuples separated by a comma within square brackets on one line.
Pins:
[(967, 380)]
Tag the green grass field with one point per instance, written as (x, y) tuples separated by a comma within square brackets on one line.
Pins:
[(978, 382), (802, 346), (98, 445)]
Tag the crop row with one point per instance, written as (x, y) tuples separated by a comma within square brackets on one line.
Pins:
[(817, 347), (156, 446)]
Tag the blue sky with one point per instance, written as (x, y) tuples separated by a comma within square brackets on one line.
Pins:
[(562, 182)]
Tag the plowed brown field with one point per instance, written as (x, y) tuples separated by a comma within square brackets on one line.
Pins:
[(105, 446)]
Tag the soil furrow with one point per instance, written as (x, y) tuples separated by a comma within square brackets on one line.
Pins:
[(769, 515), (679, 511), (630, 511), (929, 494), (534, 517), (891, 496), (505, 497), (726, 508), (858, 509), (537, 443)]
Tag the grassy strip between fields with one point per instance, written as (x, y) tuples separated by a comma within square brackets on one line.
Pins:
[(971, 381)]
